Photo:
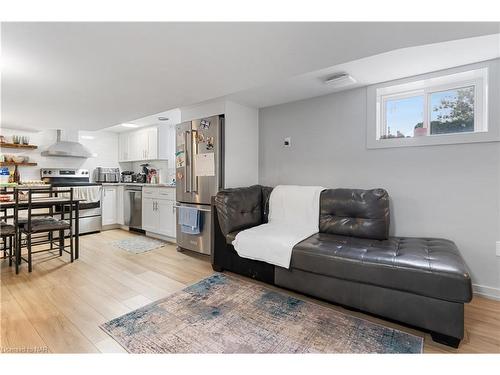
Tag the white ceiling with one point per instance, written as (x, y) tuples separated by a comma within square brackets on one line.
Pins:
[(400, 63), (94, 75)]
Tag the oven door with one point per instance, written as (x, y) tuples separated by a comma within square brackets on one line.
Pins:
[(90, 213)]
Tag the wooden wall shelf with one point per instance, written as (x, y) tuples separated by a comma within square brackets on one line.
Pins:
[(21, 146), (11, 163)]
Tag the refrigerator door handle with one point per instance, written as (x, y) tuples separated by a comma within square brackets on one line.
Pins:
[(186, 158), (194, 149)]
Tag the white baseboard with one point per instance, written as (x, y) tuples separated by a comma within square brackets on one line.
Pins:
[(487, 291)]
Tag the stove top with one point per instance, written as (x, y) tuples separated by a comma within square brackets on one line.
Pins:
[(59, 177)]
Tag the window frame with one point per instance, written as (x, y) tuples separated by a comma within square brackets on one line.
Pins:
[(477, 76)]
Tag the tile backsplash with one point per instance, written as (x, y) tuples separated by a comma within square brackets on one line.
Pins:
[(167, 175)]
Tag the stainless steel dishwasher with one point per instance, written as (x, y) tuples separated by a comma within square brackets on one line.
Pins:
[(132, 206)]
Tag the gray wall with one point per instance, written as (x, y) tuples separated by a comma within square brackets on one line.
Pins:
[(449, 191)]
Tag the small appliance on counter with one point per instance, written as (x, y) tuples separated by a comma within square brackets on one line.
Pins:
[(128, 176), (102, 174), (141, 178)]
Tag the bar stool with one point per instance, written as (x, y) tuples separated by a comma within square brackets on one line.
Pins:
[(48, 224)]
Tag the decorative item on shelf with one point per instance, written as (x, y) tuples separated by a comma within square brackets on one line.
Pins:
[(16, 139), (4, 175), (17, 176), (11, 177), (25, 140), (2, 139), (18, 159)]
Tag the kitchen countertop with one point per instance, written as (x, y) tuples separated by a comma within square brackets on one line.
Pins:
[(136, 184)]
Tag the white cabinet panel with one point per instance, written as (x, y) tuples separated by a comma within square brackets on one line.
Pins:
[(149, 215), (109, 205), (151, 151), (120, 191), (166, 143), (123, 147), (167, 217)]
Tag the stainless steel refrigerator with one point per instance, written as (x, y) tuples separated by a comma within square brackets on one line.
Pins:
[(199, 175)]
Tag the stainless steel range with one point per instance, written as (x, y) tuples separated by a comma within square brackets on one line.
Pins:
[(79, 179)]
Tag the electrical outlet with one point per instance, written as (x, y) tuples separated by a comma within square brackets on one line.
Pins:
[(498, 248), (287, 142)]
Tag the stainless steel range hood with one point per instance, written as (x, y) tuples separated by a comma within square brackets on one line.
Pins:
[(69, 149)]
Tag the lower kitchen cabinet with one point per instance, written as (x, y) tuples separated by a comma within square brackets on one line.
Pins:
[(158, 212), (166, 213), (109, 205)]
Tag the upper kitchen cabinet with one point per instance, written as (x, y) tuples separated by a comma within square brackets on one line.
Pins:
[(123, 147), (154, 141), (143, 144)]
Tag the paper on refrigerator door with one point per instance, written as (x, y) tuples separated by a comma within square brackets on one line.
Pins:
[(205, 164)]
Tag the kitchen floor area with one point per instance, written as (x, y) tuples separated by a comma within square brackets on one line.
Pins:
[(60, 305)]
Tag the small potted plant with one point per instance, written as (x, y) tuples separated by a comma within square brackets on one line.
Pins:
[(419, 130)]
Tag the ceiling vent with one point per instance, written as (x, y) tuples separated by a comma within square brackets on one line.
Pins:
[(340, 80)]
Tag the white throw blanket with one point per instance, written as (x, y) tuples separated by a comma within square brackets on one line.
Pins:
[(293, 216)]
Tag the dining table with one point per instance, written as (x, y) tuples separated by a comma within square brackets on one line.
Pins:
[(48, 202)]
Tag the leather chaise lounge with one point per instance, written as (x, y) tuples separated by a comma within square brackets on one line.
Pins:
[(352, 261)]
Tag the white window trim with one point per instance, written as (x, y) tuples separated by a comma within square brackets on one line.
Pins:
[(478, 75)]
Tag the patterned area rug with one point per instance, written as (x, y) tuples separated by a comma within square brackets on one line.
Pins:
[(223, 314), (139, 244)]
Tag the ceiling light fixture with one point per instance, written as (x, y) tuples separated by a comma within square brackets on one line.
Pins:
[(340, 80), (87, 137), (161, 118), (129, 125)]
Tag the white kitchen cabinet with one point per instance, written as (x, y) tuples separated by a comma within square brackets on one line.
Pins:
[(138, 145), (109, 205), (123, 147), (120, 191), (151, 149), (158, 212), (150, 217), (166, 213), (166, 143)]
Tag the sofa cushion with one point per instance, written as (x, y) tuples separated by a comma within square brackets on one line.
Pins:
[(426, 266), (355, 212), (239, 208)]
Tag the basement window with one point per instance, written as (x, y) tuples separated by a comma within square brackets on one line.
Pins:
[(440, 109)]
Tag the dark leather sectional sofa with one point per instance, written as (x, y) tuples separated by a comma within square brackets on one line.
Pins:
[(352, 261)]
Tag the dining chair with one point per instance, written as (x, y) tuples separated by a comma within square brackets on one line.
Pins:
[(7, 233), (48, 224)]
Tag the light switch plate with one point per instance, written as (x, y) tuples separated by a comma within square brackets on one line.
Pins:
[(498, 248)]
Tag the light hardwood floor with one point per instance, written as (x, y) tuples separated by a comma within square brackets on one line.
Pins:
[(59, 306)]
